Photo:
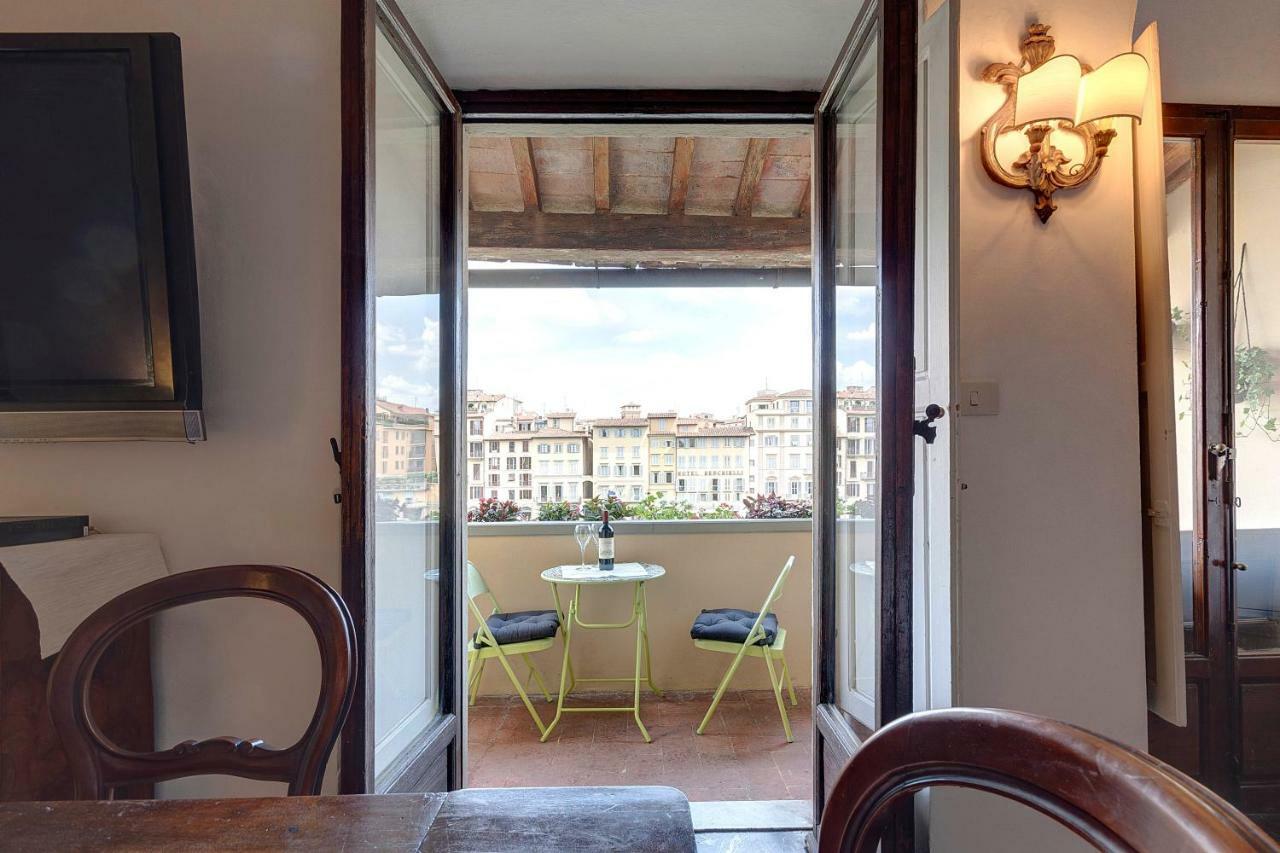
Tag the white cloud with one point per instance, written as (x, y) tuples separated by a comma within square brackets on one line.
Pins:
[(867, 334), (400, 390), (691, 349), (859, 373)]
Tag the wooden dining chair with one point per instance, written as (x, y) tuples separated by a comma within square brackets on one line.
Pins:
[(98, 765), (726, 630), (1114, 797)]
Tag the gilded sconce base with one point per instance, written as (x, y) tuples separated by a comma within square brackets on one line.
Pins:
[(1043, 169)]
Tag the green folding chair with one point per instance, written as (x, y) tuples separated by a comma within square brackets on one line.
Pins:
[(504, 635), (722, 631)]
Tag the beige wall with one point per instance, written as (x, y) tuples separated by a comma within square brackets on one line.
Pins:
[(704, 570), (1049, 579), (1217, 52), (262, 94)]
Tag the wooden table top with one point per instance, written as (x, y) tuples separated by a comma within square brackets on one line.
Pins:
[(559, 819)]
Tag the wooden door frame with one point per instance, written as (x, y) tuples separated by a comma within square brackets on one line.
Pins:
[(895, 24), (361, 20), (1213, 664)]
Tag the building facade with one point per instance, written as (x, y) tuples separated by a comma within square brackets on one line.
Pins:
[(781, 443), (535, 459), (406, 456), (620, 455)]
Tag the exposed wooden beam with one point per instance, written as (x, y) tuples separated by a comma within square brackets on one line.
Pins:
[(526, 172), (600, 156), (752, 168), (1179, 164), (806, 199), (681, 162), (494, 231)]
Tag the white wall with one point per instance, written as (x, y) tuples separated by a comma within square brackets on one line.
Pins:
[(1050, 607), (680, 44), (262, 90), (1221, 52)]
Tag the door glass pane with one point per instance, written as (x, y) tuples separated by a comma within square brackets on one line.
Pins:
[(1182, 203), (857, 410), (1255, 310), (406, 550)]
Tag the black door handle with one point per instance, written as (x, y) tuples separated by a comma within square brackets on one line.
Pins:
[(924, 426)]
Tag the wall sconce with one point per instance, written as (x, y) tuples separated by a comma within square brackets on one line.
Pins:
[(1046, 92)]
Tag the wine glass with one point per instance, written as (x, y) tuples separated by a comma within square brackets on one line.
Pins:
[(582, 533)]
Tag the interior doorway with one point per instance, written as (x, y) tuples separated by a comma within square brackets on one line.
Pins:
[(639, 344)]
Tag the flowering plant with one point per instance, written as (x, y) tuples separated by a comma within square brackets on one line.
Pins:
[(492, 509), (775, 506)]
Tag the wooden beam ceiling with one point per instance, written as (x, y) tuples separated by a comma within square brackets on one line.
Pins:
[(526, 172), (719, 199), (681, 161), (752, 168), (600, 156), (623, 237)]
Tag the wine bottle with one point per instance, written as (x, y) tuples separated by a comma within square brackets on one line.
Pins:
[(604, 544)]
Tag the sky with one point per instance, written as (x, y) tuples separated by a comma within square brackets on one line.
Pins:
[(592, 350)]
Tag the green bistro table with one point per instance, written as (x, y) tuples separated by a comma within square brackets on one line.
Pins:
[(633, 573)]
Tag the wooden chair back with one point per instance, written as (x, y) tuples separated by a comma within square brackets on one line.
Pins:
[(98, 765), (1112, 796), (775, 592)]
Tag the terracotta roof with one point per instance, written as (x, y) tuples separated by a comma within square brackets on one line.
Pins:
[(620, 422), (562, 414), (723, 430), (663, 414), (856, 392), (552, 432), (401, 408), (482, 397)]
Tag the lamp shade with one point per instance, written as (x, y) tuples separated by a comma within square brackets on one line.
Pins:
[(1118, 88), (1059, 90), (1050, 91)]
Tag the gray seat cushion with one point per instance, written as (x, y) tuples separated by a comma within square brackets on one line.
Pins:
[(520, 627), (732, 625)]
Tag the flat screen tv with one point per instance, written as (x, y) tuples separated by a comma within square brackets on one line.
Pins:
[(99, 317)]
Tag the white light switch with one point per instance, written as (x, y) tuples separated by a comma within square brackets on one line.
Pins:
[(979, 398)]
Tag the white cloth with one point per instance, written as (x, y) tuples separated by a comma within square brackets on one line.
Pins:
[(622, 570), (67, 580)]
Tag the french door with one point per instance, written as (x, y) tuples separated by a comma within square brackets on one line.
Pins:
[(865, 166), (1222, 174), (401, 386)]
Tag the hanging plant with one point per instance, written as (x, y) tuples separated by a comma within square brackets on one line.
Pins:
[(1254, 368)]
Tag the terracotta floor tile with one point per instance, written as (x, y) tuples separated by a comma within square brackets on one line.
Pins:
[(743, 756)]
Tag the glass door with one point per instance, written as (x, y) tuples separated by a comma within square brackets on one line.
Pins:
[(1222, 167), (401, 331), (864, 201), (1254, 309)]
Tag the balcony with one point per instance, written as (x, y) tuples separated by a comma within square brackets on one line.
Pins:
[(710, 563)]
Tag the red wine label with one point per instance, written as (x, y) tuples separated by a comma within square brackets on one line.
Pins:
[(606, 549)]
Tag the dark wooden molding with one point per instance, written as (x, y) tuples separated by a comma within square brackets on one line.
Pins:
[(500, 231), (1110, 795), (357, 39), (713, 105)]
